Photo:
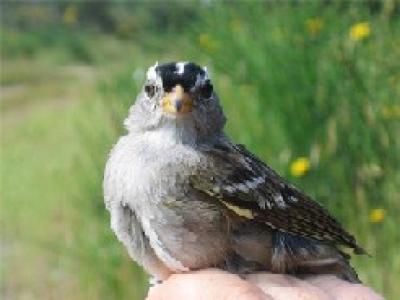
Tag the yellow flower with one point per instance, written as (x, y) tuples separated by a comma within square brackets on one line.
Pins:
[(377, 215), (70, 15), (360, 31), (300, 166), (314, 25), (206, 42)]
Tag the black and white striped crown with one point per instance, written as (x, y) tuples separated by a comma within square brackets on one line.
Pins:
[(187, 74)]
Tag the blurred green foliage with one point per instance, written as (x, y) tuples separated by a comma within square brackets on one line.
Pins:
[(312, 87)]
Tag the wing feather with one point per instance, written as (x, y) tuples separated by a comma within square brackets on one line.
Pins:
[(240, 179)]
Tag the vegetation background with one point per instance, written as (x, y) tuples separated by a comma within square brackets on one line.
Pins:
[(311, 87)]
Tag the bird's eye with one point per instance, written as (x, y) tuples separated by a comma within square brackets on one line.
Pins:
[(206, 90), (150, 90)]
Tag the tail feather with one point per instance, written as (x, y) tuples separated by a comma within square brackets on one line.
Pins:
[(300, 255)]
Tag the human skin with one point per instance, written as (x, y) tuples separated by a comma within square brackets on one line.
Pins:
[(214, 284)]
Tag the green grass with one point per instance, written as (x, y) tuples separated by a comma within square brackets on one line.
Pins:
[(322, 96), (287, 93)]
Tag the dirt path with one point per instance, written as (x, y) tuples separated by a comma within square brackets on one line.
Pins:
[(22, 99)]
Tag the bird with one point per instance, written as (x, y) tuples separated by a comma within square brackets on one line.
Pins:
[(182, 196)]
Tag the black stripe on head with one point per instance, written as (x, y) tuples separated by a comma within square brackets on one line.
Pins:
[(173, 74)]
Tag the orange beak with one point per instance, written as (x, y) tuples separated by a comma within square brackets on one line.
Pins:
[(177, 101)]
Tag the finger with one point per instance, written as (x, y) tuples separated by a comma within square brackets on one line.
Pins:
[(284, 287), (340, 289), (206, 284)]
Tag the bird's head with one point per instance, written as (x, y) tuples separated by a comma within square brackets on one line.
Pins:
[(177, 96)]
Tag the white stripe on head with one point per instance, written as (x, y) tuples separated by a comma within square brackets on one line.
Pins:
[(206, 75), (180, 67), (205, 69), (151, 73)]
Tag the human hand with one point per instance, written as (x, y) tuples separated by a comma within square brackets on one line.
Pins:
[(214, 284)]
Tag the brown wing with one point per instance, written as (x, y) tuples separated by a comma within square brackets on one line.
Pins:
[(253, 190)]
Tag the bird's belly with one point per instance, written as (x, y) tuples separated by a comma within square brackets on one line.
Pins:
[(184, 231), (187, 235)]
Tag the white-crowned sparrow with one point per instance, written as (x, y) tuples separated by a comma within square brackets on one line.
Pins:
[(183, 197)]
